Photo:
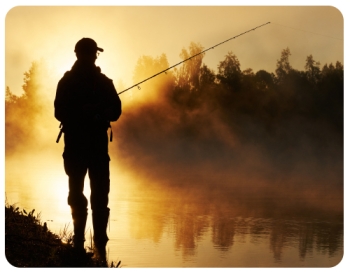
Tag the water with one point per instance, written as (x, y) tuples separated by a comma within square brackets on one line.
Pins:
[(194, 235), (156, 226)]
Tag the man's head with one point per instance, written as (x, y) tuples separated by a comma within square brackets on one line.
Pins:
[(86, 50)]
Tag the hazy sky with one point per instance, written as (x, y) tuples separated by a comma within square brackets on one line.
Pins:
[(126, 33)]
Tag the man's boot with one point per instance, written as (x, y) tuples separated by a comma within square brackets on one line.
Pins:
[(79, 223), (100, 222)]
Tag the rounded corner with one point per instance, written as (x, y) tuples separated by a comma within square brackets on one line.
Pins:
[(9, 263), (339, 262), (10, 10), (339, 11)]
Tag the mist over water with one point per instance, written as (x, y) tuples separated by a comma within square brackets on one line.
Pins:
[(200, 162), (298, 159)]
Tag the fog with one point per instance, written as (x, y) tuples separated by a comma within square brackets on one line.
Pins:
[(201, 154), (257, 147)]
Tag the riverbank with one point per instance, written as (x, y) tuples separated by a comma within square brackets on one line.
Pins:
[(29, 243)]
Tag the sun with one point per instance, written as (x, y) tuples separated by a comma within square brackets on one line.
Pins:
[(63, 62)]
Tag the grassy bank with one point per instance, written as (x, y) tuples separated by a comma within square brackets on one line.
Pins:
[(29, 243)]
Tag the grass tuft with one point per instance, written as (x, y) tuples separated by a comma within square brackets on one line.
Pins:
[(29, 243)]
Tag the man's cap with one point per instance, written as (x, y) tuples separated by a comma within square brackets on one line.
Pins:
[(86, 45)]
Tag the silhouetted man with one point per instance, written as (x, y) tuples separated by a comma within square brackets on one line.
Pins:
[(86, 101)]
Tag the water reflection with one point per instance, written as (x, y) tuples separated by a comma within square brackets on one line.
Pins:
[(227, 222), (160, 225)]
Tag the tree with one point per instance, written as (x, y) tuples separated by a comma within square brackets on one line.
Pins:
[(283, 65), (27, 115), (187, 77), (10, 98), (148, 66), (248, 80), (264, 80), (206, 77), (331, 94), (312, 69), (332, 73), (229, 72)]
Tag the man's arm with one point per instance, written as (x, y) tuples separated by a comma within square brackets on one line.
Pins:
[(114, 107), (60, 103), (67, 110)]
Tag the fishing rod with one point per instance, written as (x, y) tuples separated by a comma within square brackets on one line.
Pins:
[(212, 47)]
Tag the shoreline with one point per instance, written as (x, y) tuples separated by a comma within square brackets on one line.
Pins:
[(29, 243)]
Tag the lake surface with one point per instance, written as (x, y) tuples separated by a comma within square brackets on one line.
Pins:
[(153, 225)]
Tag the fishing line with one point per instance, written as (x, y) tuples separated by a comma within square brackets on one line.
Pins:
[(308, 31), (212, 47)]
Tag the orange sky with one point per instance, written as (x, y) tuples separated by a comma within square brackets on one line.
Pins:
[(126, 33)]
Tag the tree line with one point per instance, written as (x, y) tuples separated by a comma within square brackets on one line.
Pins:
[(276, 110), (252, 105)]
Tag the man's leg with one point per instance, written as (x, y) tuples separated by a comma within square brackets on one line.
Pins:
[(76, 171), (100, 184)]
